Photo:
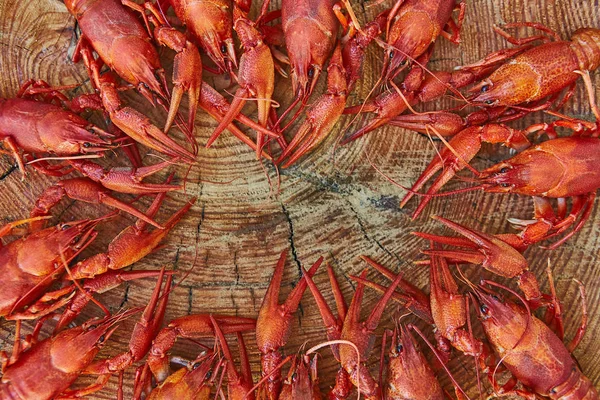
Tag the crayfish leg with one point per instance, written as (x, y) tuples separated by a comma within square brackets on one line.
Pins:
[(10, 143)]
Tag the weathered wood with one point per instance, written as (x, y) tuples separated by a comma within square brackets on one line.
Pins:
[(331, 204)]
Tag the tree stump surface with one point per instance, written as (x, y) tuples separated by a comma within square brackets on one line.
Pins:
[(331, 204)]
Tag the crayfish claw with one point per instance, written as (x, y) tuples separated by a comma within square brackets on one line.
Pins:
[(187, 77)]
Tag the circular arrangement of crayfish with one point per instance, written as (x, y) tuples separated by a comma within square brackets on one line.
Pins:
[(331, 203)]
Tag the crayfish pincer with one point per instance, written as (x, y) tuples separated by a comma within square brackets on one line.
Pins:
[(273, 326)]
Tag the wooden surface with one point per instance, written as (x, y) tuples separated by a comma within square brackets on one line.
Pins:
[(333, 205)]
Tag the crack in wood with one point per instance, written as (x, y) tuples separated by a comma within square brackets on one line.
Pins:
[(125, 295), (235, 306), (8, 172), (236, 268), (291, 238), (300, 312), (190, 300), (199, 225), (60, 215), (176, 260), (252, 297)]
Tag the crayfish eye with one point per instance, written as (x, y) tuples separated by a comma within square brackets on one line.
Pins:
[(391, 54), (485, 88), (91, 327), (504, 185), (311, 72), (64, 227), (484, 309), (399, 348), (101, 339), (490, 102), (223, 48), (504, 170), (87, 145), (403, 63), (209, 374), (294, 376), (196, 365)]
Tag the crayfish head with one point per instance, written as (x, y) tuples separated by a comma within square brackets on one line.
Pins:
[(394, 62), (403, 344), (409, 37), (305, 75), (86, 140), (69, 238), (78, 141), (67, 134), (73, 236), (74, 349), (220, 51), (486, 92), (533, 172), (409, 374), (94, 146), (503, 178), (309, 47), (509, 85), (298, 382), (504, 322), (202, 371), (492, 308)]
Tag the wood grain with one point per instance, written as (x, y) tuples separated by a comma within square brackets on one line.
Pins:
[(332, 204)]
